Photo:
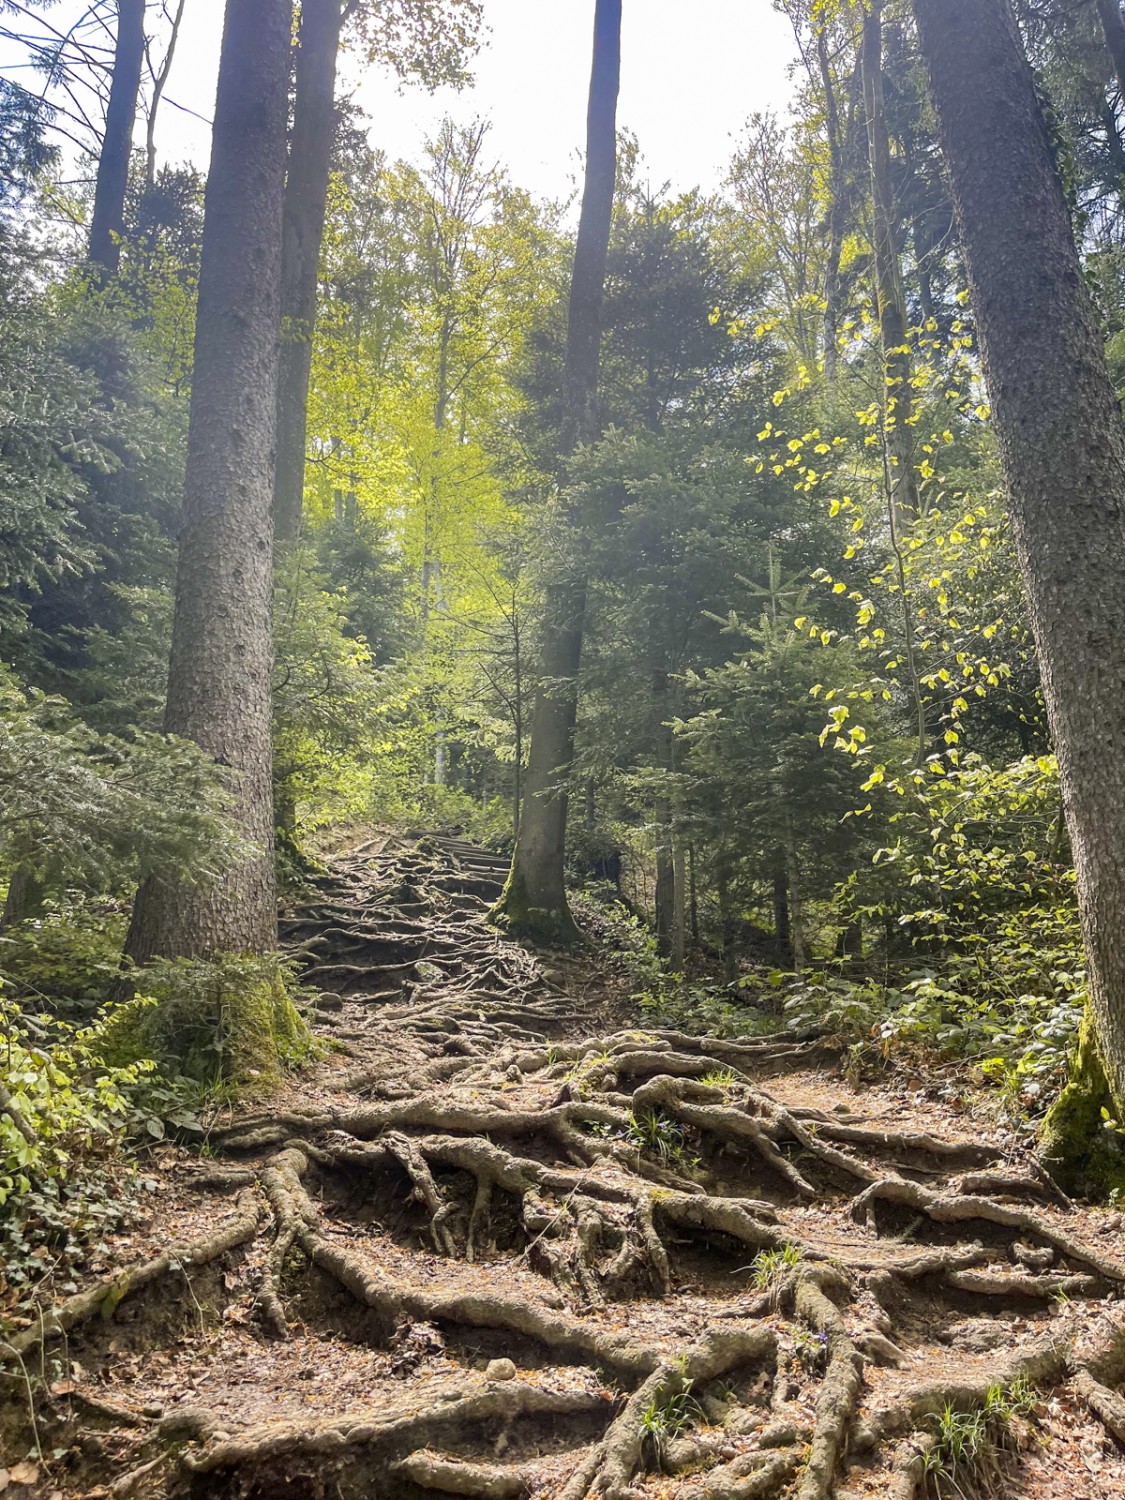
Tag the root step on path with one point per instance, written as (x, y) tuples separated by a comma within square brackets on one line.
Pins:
[(504, 1241)]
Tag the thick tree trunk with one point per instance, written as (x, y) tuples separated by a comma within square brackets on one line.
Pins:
[(1061, 442), (306, 190), (107, 222), (219, 679), (890, 297), (26, 893), (534, 899)]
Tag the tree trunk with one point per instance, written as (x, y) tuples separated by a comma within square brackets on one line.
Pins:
[(107, 222), (726, 918), (838, 189), (306, 190), (679, 907), (890, 297), (1061, 442), (219, 678), (26, 893), (534, 898), (781, 925), (1113, 29), (796, 905), (159, 83)]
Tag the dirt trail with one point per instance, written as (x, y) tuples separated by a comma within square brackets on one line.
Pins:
[(499, 1244)]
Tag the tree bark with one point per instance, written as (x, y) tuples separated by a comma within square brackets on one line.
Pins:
[(306, 192), (1061, 441), (219, 678), (107, 222), (890, 297), (534, 898), (1113, 30)]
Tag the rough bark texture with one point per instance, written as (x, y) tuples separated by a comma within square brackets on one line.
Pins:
[(1061, 441), (108, 219), (219, 679), (306, 188), (534, 899), (1113, 29)]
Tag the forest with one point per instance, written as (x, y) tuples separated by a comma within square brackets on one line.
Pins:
[(561, 840)]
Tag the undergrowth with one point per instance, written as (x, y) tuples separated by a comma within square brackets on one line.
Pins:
[(1014, 1015)]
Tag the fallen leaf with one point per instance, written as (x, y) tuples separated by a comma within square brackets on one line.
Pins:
[(26, 1473)]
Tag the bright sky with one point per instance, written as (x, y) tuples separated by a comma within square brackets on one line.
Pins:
[(691, 75)]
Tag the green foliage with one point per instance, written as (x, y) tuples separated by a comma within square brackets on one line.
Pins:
[(72, 1101), (67, 958), (83, 806), (227, 1022)]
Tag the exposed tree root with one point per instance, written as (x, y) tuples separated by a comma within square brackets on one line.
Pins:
[(104, 1296), (587, 1261)]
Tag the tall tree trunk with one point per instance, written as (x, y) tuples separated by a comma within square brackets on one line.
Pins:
[(1061, 441), (890, 297), (781, 925), (107, 222), (726, 917), (534, 898), (796, 902), (306, 191), (665, 902), (159, 83), (1113, 29), (219, 678), (838, 189), (679, 907)]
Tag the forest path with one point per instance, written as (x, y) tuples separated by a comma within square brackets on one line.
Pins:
[(500, 1244)]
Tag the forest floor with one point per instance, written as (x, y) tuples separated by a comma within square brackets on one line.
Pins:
[(501, 1241)]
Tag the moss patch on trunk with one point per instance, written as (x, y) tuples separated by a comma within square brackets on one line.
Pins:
[(514, 914), (228, 1021), (1077, 1140)]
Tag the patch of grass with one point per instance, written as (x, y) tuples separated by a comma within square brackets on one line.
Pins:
[(719, 1078), (769, 1268), (968, 1456), (661, 1136), (667, 1415)]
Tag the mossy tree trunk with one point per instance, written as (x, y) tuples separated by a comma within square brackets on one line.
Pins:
[(219, 678), (534, 899), (1061, 440)]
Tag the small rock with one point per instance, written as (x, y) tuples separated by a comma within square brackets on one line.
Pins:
[(500, 1369)]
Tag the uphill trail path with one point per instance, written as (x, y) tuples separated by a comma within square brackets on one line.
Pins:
[(503, 1240)]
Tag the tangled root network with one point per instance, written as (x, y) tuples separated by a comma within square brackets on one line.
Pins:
[(495, 1245)]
